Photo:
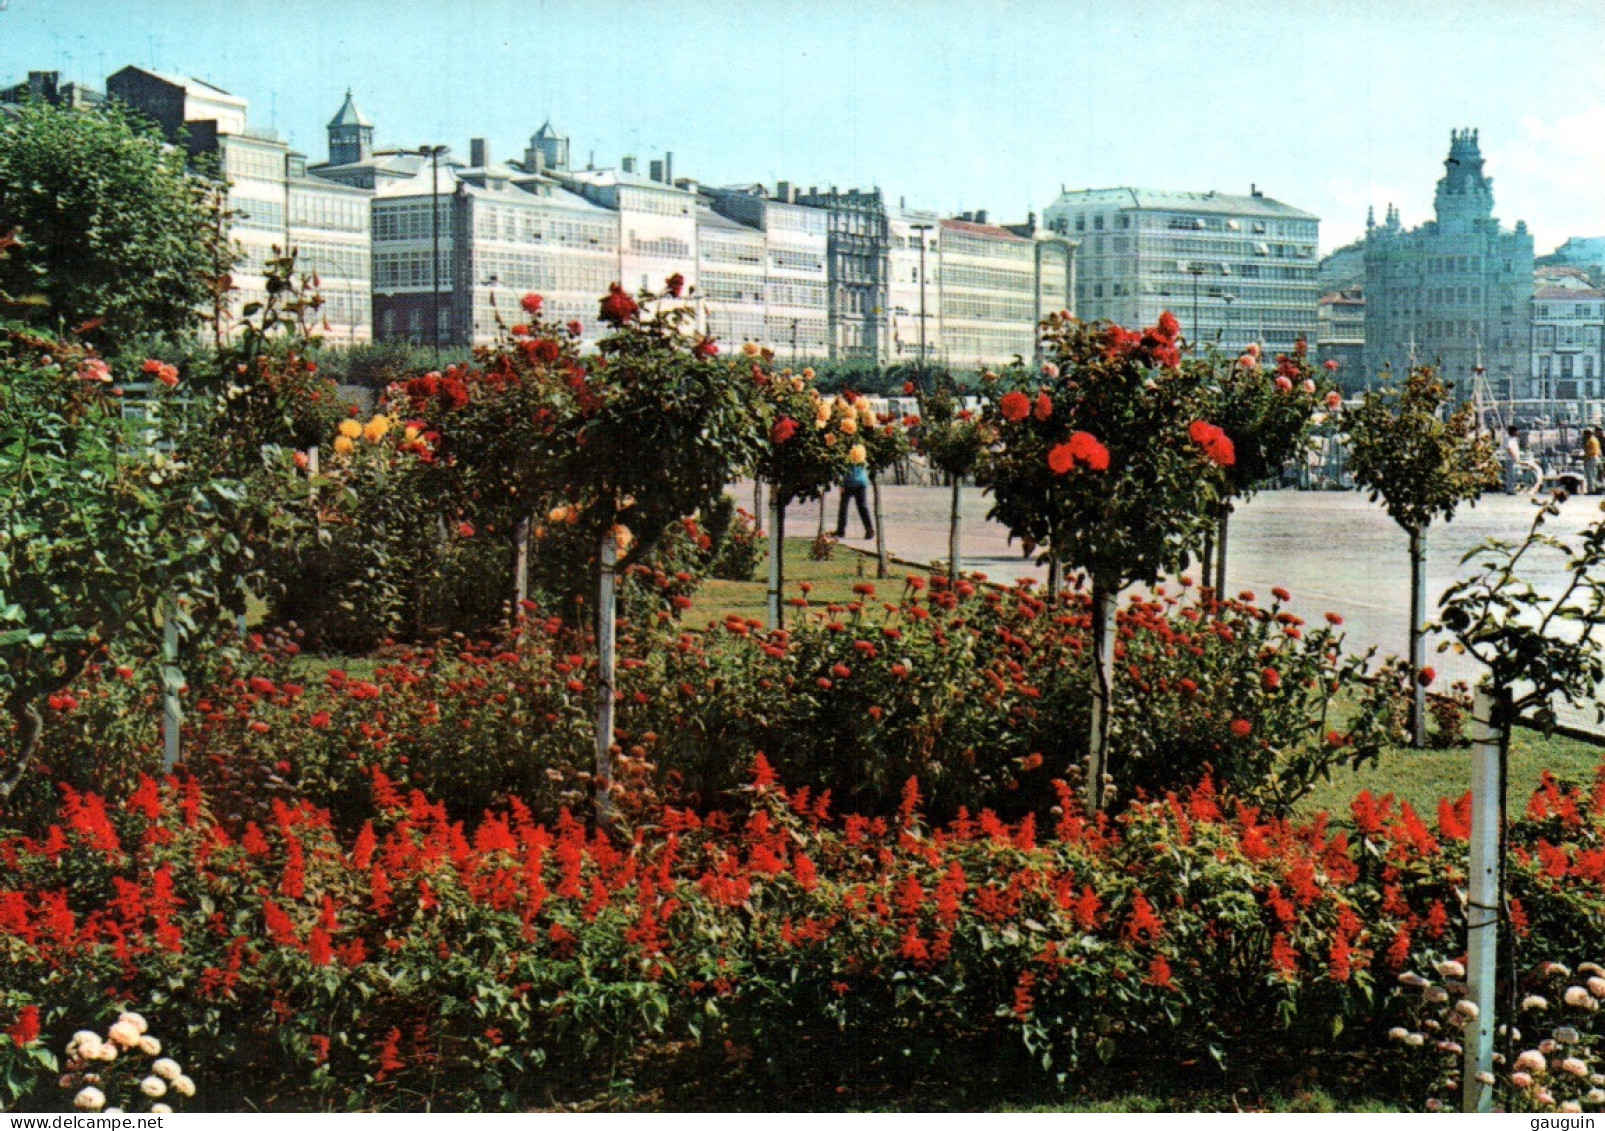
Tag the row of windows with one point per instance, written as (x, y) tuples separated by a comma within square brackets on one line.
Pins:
[(987, 308), (1567, 368), (990, 278), (1549, 336), (783, 260), (1567, 310), (522, 272), (780, 219), (663, 247), (240, 161), (316, 209), (809, 333), (957, 244), (980, 343), (396, 269), (730, 251), (415, 325), (336, 260), (1462, 295), (511, 224), (1181, 222), (410, 221), (796, 294), (736, 325), (656, 203), (257, 215)]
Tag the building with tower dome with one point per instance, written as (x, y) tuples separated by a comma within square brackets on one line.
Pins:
[(1455, 292), (350, 134)]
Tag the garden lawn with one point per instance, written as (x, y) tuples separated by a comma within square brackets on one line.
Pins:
[(1421, 777), (832, 583)]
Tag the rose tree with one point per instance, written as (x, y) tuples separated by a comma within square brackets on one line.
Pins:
[(1099, 462), (1422, 462), (1268, 417), (648, 432), (806, 451)]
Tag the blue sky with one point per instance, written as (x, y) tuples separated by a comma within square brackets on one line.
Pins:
[(1330, 105)]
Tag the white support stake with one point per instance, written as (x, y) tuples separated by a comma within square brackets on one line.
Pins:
[(172, 680), (606, 612), (1482, 902)]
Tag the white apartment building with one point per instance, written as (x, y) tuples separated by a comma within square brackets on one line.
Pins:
[(273, 205), (1568, 329), (1233, 269)]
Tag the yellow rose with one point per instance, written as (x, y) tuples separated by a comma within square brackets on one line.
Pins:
[(557, 515), (375, 429), (858, 454), (411, 433), (750, 349), (343, 445), (797, 383), (849, 426), (622, 538), (350, 429), (808, 373)]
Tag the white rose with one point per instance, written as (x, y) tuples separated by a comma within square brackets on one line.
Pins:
[(1449, 968), (90, 1099), (160, 1109), (124, 1034), (153, 1086), (167, 1068), (184, 1086), (135, 1020), (150, 1046)]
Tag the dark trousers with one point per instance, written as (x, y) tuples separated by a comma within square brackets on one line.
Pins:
[(857, 494)]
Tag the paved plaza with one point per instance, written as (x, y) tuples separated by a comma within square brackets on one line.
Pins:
[(1335, 551)]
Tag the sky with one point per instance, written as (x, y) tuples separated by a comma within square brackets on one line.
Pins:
[(1328, 105)]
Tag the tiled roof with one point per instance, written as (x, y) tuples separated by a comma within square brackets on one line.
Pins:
[(990, 231), (1567, 294), (1174, 201)]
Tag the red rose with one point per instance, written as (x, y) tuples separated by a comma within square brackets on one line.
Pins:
[(1271, 679), (1242, 728), (676, 284), (618, 307), (466, 529), (1044, 408), (1168, 326), (1060, 460), (783, 430), (705, 349), (908, 388), (1087, 449), (1330, 364), (576, 328), (1015, 406), (1425, 677), (531, 303)]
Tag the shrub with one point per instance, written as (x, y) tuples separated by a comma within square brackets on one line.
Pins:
[(416, 960)]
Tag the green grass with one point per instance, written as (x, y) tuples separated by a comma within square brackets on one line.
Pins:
[(832, 583), (1422, 776)]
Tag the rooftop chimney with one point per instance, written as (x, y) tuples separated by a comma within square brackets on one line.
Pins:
[(628, 164), (478, 152), (1253, 190), (668, 167), (655, 170), (980, 216), (783, 191)]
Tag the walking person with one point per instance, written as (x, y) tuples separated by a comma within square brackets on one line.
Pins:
[(1512, 458), (855, 488), (1590, 461)]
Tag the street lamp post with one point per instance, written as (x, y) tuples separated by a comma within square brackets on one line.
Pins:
[(434, 153), (922, 229), (1195, 271), (1226, 322)]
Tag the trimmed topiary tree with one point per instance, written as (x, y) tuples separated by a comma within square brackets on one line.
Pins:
[(1100, 462), (1422, 460)]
